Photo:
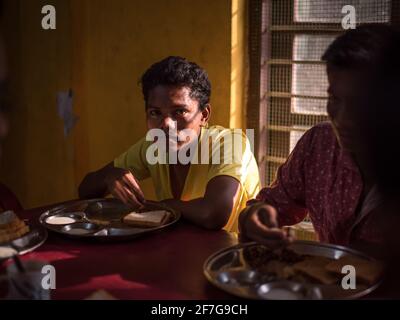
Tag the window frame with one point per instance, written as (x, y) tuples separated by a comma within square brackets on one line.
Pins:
[(259, 38)]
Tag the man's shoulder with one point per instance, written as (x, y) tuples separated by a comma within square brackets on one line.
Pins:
[(217, 131), (139, 148)]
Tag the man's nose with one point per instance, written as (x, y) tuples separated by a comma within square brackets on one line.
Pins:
[(168, 123)]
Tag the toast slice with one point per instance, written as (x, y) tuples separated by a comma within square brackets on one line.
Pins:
[(149, 219), (368, 272), (315, 268), (11, 227)]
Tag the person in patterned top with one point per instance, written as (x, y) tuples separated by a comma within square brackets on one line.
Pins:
[(332, 173)]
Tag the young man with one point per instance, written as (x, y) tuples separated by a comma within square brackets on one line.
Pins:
[(331, 174), (211, 194)]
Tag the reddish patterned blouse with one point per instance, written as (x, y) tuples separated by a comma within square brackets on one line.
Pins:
[(321, 179)]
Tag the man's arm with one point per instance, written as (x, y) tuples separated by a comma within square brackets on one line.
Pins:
[(213, 210), (94, 184), (117, 181)]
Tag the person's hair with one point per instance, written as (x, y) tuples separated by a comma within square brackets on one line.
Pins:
[(374, 50), (366, 47), (178, 72)]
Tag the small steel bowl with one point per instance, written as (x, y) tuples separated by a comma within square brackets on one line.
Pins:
[(76, 216), (287, 290), (80, 229), (239, 277)]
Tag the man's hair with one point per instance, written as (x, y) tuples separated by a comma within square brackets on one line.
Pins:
[(178, 72)]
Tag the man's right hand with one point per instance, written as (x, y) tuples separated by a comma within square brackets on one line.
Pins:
[(122, 185), (259, 223)]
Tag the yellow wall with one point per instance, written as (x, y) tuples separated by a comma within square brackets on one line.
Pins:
[(238, 64), (37, 160), (100, 49)]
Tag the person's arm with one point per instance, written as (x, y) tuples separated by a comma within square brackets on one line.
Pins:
[(94, 184), (259, 222), (213, 210), (282, 203), (111, 180)]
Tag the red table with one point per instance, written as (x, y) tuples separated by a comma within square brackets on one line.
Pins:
[(164, 265)]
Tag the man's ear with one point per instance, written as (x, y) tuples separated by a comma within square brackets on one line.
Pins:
[(205, 114)]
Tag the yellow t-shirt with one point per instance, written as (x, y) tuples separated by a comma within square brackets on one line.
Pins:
[(239, 164)]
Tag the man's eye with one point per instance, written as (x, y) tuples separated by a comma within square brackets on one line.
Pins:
[(180, 112), (154, 113)]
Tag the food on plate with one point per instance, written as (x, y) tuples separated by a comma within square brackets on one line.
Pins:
[(11, 227), (258, 256), (367, 272), (147, 219), (60, 220), (78, 231), (100, 222), (315, 268), (286, 264)]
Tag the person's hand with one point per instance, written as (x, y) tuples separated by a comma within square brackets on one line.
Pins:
[(122, 185), (259, 223)]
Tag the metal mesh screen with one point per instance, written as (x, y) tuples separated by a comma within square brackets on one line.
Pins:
[(294, 35)]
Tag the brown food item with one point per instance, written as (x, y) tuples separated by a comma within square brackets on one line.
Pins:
[(315, 268), (287, 264), (147, 219), (259, 256), (368, 272), (11, 227), (274, 267), (290, 256), (100, 222)]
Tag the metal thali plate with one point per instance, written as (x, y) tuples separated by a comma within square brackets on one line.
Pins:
[(100, 219), (30, 241), (228, 270)]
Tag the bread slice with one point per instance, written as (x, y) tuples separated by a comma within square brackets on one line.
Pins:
[(11, 227), (314, 268), (368, 272), (147, 219)]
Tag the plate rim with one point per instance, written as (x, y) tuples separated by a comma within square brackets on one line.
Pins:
[(91, 236), (207, 272), (33, 228)]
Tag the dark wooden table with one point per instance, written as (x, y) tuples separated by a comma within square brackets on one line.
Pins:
[(164, 265)]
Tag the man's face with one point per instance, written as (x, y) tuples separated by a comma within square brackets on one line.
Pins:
[(172, 108), (345, 107)]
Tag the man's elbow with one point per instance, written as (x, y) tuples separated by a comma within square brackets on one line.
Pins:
[(216, 220)]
